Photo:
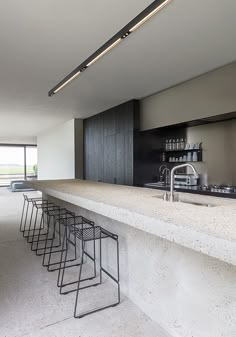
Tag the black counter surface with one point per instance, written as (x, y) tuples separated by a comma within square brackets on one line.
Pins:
[(194, 190)]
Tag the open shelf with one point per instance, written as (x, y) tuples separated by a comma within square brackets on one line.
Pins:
[(165, 155), (181, 162), (174, 151)]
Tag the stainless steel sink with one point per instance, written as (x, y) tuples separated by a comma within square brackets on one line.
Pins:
[(196, 203), (203, 204), (158, 184)]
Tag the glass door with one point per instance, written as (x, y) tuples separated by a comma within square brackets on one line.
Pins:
[(17, 162), (11, 164)]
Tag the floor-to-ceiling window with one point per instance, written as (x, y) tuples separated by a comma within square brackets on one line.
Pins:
[(17, 162)]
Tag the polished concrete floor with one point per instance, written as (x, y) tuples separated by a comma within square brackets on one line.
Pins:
[(30, 304)]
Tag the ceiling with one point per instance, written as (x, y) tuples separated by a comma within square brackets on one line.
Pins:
[(42, 41)]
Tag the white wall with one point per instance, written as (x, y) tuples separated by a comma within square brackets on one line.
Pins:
[(208, 95), (79, 149), (19, 140), (56, 152)]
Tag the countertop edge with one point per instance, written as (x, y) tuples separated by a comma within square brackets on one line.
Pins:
[(206, 244)]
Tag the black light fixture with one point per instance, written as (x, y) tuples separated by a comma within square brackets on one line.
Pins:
[(134, 24)]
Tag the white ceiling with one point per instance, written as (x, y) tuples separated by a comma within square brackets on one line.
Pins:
[(42, 41)]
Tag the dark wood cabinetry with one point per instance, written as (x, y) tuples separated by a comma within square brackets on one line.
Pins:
[(109, 144)]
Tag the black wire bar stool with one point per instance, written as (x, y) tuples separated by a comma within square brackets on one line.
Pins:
[(40, 243), (77, 222), (92, 234), (28, 208), (24, 214), (54, 218), (35, 228), (62, 220), (38, 236), (26, 222)]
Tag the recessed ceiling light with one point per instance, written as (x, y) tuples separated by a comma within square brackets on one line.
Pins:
[(138, 21)]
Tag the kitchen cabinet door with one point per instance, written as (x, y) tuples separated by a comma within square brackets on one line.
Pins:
[(120, 158), (129, 163), (98, 149), (110, 159)]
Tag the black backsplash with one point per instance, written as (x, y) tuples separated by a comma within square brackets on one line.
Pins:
[(147, 160)]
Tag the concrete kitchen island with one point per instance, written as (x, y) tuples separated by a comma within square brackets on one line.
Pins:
[(177, 260)]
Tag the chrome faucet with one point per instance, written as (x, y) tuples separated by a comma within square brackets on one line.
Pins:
[(161, 171), (172, 178), (166, 172)]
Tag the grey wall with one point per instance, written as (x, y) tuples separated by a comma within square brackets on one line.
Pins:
[(219, 151), (211, 94)]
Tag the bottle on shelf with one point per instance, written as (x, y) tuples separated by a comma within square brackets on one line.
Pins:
[(189, 156), (195, 157), (185, 143), (177, 144), (163, 157), (173, 145), (167, 145)]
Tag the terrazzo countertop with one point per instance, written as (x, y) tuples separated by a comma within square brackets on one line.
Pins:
[(208, 230)]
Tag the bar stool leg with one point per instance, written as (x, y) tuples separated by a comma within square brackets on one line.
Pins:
[(78, 285), (100, 257), (33, 236), (64, 263), (40, 234), (34, 226), (30, 222), (51, 251), (46, 242), (118, 270), (22, 216), (64, 249), (27, 211)]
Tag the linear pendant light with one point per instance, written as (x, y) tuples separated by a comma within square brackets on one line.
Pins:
[(139, 20), (104, 52), (68, 81)]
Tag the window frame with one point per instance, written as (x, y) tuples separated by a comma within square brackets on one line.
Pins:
[(24, 146)]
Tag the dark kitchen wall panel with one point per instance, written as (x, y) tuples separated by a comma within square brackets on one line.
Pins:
[(109, 144)]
